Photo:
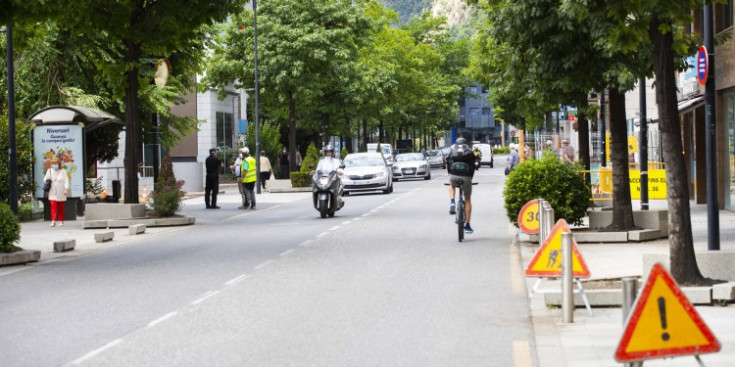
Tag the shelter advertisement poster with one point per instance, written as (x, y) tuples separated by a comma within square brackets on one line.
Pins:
[(64, 142)]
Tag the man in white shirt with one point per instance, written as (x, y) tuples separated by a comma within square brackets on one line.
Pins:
[(236, 170), (328, 163)]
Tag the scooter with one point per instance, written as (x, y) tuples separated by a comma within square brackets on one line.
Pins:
[(327, 193)]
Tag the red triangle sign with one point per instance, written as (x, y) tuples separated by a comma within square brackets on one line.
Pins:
[(663, 323), (547, 262)]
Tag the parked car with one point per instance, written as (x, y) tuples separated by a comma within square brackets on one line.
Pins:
[(367, 172), (487, 154), (411, 165), (436, 158)]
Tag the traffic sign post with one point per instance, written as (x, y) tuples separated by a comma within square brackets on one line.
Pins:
[(528, 217), (664, 323)]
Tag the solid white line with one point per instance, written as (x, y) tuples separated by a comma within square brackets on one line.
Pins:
[(206, 295), (322, 234), (237, 280), (333, 228), (96, 351), (285, 253), (305, 243), (162, 319), (263, 265)]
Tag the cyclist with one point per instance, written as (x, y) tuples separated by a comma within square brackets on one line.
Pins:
[(461, 166)]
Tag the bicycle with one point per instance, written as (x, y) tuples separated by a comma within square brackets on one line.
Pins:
[(459, 207)]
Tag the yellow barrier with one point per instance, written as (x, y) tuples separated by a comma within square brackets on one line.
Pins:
[(602, 188)]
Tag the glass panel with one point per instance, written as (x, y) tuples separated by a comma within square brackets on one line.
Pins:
[(730, 185)]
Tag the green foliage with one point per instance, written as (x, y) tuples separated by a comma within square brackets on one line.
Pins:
[(167, 194), (378, 149), (24, 151), (549, 179), (25, 212), (501, 150), (93, 187), (301, 179), (9, 228), (311, 159), (343, 153), (269, 141)]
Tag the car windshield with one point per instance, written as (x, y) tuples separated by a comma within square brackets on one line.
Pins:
[(409, 157), (433, 153), (363, 161)]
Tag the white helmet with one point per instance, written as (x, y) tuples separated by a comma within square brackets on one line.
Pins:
[(246, 151)]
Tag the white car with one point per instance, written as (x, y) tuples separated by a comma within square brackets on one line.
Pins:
[(411, 165), (367, 172)]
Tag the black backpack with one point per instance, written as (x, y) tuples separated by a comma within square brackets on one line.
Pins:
[(459, 165)]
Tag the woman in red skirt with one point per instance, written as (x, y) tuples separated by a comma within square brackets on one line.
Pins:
[(58, 192)]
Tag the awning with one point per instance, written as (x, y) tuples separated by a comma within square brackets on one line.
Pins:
[(690, 104), (92, 119)]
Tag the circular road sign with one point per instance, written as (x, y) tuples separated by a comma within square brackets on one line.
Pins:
[(528, 217), (702, 65)]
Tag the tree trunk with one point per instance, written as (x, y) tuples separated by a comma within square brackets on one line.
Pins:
[(364, 134), (381, 134), (681, 246), (132, 127), (549, 128), (291, 131), (622, 207)]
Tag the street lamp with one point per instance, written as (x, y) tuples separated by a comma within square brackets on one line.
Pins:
[(13, 169)]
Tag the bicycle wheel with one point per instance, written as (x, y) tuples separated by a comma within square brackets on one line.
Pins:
[(460, 219)]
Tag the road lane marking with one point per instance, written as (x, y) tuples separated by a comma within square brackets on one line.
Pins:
[(263, 265), (238, 279), (374, 210), (322, 234), (96, 351), (334, 228), (206, 295), (516, 282), (346, 222), (285, 253), (305, 243), (365, 215), (161, 319), (521, 354)]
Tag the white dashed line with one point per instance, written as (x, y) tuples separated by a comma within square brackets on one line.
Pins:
[(96, 351), (285, 253), (346, 222), (161, 319), (333, 228), (263, 265), (374, 210), (305, 243), (206, 295), (322, 234), (238, 279)]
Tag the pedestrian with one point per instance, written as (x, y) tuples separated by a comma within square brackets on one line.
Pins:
[(513, 159), (299, 160), (527, 151), (265, 169), (59, 190), (551, 149), (567, 152), (236, 171), (283, 164), (248, 172), (211, 185)]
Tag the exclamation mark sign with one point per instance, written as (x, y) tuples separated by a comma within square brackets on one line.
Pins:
[(662, 313)]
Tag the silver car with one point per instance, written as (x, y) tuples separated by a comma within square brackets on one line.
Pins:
[(436, 159), (366, 172), (411, 165)]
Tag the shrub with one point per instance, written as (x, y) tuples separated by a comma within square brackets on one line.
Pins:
[(24, 150), (25, 212), (343, 153), (311, 159), (167, 194), (552, 180), (9, 228), (301, 179), (94, 187), (501, 150)]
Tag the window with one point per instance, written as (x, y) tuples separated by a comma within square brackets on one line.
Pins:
[(474, 111), (224, 129), (723, 16), (486, 111)]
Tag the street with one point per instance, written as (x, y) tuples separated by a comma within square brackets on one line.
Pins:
[(384, 282)]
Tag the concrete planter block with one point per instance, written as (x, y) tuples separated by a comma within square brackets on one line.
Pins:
[(712, 264), (136, 229), (19, 257), (104, 237), (600, 236), (597, 298), (643, 235), (647, 219), (723, 292), (64, 245), (698, 295), (100, 211)]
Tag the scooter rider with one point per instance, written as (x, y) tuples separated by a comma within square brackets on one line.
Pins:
[(328, 163), (478, 157)]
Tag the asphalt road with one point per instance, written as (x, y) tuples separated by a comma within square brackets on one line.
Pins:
[(383, 283)]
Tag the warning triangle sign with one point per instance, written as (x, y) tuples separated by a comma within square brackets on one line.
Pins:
[(663, 323), (548, 260)]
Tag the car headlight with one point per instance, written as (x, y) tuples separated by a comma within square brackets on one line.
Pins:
[(423, 166), (380, 174)]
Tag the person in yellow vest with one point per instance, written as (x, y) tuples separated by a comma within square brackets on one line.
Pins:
[(249, 173)]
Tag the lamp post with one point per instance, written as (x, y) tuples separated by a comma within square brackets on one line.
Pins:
[(713, 215), (257, 127), (13, 156)]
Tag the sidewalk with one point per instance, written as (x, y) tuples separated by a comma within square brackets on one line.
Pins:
[(37, 235), (592, 340)]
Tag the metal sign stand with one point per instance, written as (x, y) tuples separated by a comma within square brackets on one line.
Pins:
[(579, 290)]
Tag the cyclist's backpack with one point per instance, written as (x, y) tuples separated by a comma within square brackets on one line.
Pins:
[(458, 162)]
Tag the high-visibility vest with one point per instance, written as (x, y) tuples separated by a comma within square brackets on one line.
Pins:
[(249, 170)]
